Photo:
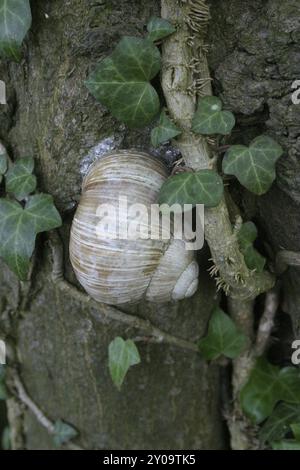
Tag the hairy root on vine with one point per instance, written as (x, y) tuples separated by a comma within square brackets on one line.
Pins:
[(198, 16)]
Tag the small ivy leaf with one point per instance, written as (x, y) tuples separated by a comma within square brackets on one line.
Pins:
[(19, 179), (210, 119), (63, 433), (6, 439), (202, 187), (121, 356), (296, 430), (42, 213), (122, 82), (254, 260), (15, 21), (166, 130), (288, 444), (278, 424), (267, 386), (223, 338), (19, 227), (254, 166), (246, 236), (158, 28)]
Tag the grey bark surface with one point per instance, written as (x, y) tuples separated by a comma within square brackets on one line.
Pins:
[(255, 60), (171, 400)]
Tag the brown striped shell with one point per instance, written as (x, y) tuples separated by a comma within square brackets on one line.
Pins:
[(117, 271)]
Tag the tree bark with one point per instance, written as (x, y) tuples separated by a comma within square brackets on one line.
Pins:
[(170, 401), (255, 60)]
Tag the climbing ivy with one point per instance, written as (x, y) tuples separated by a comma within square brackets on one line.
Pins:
[(63, 433), (19, 179), (121, 356), (159, 28), (267, 385), (23, 215), (15, 21), (246, 237), (223, 338), (210, 119), (122, 81), (254, 166), (202, 187), (166, 130), (278, 425)]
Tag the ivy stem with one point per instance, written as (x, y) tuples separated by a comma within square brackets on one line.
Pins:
[(181, 92), (35, 410), (185, 66)]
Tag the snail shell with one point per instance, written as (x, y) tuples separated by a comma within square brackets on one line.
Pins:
[(117, 271)]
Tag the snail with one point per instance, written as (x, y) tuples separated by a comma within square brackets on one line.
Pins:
[(120, 271)]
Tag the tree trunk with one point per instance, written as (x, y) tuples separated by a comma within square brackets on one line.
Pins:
[(255, 60), (172, 399)]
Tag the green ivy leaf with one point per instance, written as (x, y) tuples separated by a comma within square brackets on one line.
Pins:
[(253, 166), (158, 28), (19, 227), (288, 444), (19, 179), (121, 356), (267, 386), (121, 81), (63, 433), (296, 430), (278, 424), (15, 21), (166, 130), (223, 338), (210, 119), (246, 236), (202, 187)]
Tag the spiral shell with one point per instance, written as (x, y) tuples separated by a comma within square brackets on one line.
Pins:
[(119, 271)]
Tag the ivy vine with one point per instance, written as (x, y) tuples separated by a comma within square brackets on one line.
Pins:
[(23, 214), (122, 83)]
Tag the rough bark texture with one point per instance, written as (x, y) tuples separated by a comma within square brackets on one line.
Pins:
[(255, 59), (172, 400)]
